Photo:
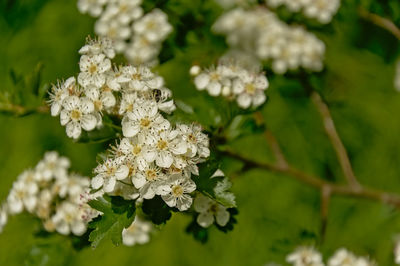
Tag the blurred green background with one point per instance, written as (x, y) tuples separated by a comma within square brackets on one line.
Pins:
[(276, 213)]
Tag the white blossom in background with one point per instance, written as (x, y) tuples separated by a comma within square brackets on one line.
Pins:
[(234, 82), (259, 33), (396, 250), (343, 257), (137, 233), (209, 211), (137, 35), (52, 194), (321, 10), (397, 76), (305, 256), (3, 216)]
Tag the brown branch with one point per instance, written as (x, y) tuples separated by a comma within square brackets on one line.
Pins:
[(319, 183), (380, 22), (325, 200), (19, 110), (335, 140), (272, 142)]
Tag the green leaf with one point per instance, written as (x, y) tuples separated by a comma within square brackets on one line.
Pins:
[(156, 210), (117, 215), (199, 233), (205, 182), (223, 195)]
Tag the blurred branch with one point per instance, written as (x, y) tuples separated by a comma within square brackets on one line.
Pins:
[(271, 140), (335, 140), (380, 22), (325, 200), (318, 182), (19, 110)]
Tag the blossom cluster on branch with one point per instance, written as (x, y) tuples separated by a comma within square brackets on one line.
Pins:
[(309, 256), (48, 191), (135, 34), (321, 10), (261, 33)]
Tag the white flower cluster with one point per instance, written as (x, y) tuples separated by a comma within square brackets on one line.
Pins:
[(137, 233), (260, 32), (321, 10), (309, 256), (82, 102), (53, 195), (233, 82), (137, 35)]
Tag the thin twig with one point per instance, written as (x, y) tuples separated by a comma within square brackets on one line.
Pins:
[(334, 138), (272, 141), (19, 110), (318, 182), (325, 200), (380, 22)]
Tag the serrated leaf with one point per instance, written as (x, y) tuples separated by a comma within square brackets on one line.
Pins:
[(199, 233), (117, 215), (222, 194)]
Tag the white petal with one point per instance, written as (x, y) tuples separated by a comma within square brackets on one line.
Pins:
[(222, 217), (109, 184), (97, 182), (205, 219), (164, 159), (88, 122), (73, 129), (122, 172)]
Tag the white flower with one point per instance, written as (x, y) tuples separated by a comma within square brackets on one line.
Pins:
[(68, 218), (135, 150), (123, 11), (108, 173), (114, 30), (73, 186), (153, 26), (176, 192), (103, 98), (77, 115), (93, 7), (52, 166), (396, 251), (141, 51), (196, 141), (92, 70), (211, 80), (59, 92), (343, 257), (3, 217), (148, 181), (166, 144), (137, 233), (250, 89), (23, 193), (98, 46), (128, 102), (210, 210), (142, 119), (305, 256), (140, 78)]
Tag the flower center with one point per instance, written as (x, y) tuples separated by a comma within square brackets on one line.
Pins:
[(214, 76), (136, 76), (98, 105), (250, 88), (92, 68), (192, 138), (145, 122), (162, 144), (76, 114), (151, 175), (129, 108), (177, 191), (213, 208), (136, 149)]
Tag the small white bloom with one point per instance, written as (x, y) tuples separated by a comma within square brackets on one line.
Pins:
[(92, 70), (3, 217), (52, 166), (210, 211), (77, 114), (93, 7), (69, 218), (108, 173), (114, 30), (305, 256), (149, 181), (137, 233), (73, 186), (197, 142), (343, 257), (176, 192), (142, 119), (153, 26), (59, 92), (23, 194), (98, 46)]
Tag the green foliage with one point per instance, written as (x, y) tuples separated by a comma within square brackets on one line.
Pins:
[(117, 214), (157, 211)]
